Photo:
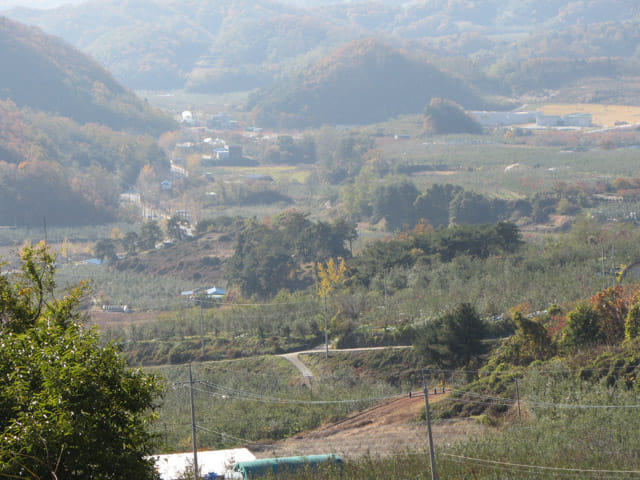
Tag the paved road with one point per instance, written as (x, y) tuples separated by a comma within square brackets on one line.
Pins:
[(307, 374)]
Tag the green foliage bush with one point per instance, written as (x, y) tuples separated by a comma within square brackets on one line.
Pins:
[(69, 405)]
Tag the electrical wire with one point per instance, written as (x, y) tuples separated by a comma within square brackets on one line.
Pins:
[(241, 395), (226, 435), (539, 467)]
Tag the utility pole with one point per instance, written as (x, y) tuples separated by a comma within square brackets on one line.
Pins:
[(604, 275), (613, 263), (193, 427), (432, 453), (326, 335), (201, 329), (518, 400)]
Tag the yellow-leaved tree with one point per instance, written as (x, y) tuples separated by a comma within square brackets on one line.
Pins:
[(331, 276)]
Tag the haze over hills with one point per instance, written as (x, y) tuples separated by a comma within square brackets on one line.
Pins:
[(66, 143), (362, 82), (44, 73), (222, 45)]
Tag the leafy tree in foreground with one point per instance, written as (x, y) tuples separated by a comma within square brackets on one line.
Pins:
[(69, 406)]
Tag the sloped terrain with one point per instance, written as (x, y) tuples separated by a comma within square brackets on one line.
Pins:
[(384, 429), (201, 259), (362, 82), (47, 74)]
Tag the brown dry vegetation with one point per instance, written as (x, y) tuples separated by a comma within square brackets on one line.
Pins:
[(603, 115), (201, 259), (386, 428)]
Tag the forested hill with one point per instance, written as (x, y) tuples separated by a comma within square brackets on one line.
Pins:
[(362, 82), (46, 74), (224, 45), (70, 138)]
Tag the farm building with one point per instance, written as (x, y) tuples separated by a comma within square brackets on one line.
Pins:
[(571, 120), (210, 292), (221, 153), (495, 119)]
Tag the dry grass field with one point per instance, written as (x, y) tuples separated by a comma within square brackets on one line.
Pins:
[(603, 115), (384, 429), (298, 173)]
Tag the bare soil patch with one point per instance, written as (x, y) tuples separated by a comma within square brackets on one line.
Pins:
[(106, 320), (384, 429)]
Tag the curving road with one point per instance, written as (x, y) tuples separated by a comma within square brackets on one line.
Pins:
[(307, 374)]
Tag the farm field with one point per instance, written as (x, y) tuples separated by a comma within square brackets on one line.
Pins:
[(603, 115), (276, 172)]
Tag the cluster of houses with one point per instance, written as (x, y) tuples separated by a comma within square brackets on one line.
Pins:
[(537, 118)]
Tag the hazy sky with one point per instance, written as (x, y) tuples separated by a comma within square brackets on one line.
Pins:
[(43, 4), (36, 3)]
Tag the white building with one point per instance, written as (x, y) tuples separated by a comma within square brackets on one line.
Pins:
[(501, 119), (571, 120), (187, 117), (213, 461)]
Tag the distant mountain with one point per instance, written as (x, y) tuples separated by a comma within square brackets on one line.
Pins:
[(363, 82), (45, 73), (70, 135), (221, 45), (207, 44)]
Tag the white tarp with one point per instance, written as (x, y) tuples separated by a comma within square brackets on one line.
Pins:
[(172, 465)]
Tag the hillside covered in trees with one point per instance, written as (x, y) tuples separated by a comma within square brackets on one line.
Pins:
[(362, 82), (71, 138), (46, 74), (225, 45)]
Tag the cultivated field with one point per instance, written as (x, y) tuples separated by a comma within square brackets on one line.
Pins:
[(603, 115)]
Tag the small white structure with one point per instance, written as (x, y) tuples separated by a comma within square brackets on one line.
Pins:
[(116, 308), (215, 292), (187, 117), (212, 461)]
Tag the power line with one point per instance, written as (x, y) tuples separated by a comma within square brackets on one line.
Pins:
[(493, 400), (540, 467), (240, 395), (232, 437)]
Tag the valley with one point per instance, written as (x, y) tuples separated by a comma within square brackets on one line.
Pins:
[(272, 225)]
